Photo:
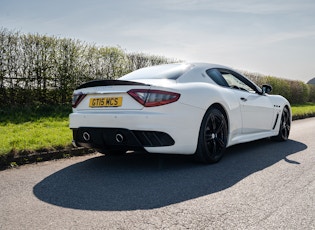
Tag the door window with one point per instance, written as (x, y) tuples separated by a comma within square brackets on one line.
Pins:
[(228, 78)]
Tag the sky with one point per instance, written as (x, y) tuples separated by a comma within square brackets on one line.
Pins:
[(270, 37)]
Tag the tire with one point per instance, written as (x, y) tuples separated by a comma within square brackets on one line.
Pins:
[(285, 126), (212, 138)]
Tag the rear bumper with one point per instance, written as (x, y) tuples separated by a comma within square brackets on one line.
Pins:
[(180, 122), (118, 138)]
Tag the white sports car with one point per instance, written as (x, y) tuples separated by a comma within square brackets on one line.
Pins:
[(183, 108)]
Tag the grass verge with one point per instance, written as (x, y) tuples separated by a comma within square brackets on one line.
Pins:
[(303, 111), (35, 128), (42, 135), (33, 134)]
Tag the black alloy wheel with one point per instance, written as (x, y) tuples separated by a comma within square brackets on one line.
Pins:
[(285, 125), (212, 137)]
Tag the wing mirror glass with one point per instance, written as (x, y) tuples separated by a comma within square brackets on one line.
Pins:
[(266, 89)]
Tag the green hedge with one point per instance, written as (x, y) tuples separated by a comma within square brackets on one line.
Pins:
[(297, 92), (38, 69)]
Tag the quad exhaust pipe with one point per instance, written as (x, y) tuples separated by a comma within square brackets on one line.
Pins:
[(118, 137)]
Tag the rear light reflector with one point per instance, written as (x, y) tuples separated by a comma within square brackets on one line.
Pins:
[(77, 98), (151, 98)]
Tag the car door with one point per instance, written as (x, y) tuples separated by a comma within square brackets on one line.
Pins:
[(256, 108)]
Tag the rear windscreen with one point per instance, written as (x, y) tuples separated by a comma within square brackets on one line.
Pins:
[(168, 71)]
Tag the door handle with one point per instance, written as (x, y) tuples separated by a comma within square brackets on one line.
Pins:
[(243, 99)]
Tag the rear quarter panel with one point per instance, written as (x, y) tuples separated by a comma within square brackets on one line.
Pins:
[(204, 95)]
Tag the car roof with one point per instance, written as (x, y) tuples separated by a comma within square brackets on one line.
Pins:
[(208, 65), (205, 66), (173, 70)]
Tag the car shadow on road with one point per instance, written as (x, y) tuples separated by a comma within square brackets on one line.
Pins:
[(145, 181)]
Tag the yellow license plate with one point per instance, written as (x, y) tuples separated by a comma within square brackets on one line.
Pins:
[(106, 102)]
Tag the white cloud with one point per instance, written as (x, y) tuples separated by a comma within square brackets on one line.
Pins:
[(240, 6), (284, 36)]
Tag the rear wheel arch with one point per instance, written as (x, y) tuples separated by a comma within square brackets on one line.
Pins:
[(222, 109), (213, 135)]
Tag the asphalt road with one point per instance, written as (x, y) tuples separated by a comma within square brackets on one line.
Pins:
[(259, 185)]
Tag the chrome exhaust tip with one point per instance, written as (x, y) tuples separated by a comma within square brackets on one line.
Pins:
[(86, 136), (119, 138)]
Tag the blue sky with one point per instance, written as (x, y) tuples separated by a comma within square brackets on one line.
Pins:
[(268, 37)]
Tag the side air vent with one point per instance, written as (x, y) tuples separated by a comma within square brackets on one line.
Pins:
[(274, 126)]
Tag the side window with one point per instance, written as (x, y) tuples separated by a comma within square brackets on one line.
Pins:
[(236, 82), (231, 79), (217, 77)]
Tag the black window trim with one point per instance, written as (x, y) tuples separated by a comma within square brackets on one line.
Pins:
[(240, 77)]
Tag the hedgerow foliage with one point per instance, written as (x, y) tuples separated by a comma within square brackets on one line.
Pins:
[(40, 69), (297, 92)]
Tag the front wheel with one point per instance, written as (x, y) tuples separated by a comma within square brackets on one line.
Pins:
[(212, 137), (285, 125)]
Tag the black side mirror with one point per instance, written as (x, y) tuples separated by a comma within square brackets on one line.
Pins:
[(266, 89)]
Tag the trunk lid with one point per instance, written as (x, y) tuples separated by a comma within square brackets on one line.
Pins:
[(108, 95)]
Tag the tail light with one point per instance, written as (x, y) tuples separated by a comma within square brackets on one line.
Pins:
[(77, 98), (151, 98)]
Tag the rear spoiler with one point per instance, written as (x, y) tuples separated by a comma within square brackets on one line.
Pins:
[(107, 83)]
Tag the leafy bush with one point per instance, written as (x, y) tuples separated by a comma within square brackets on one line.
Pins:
[(296, 92), (279, 86), (312, 93), (37, 69)]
